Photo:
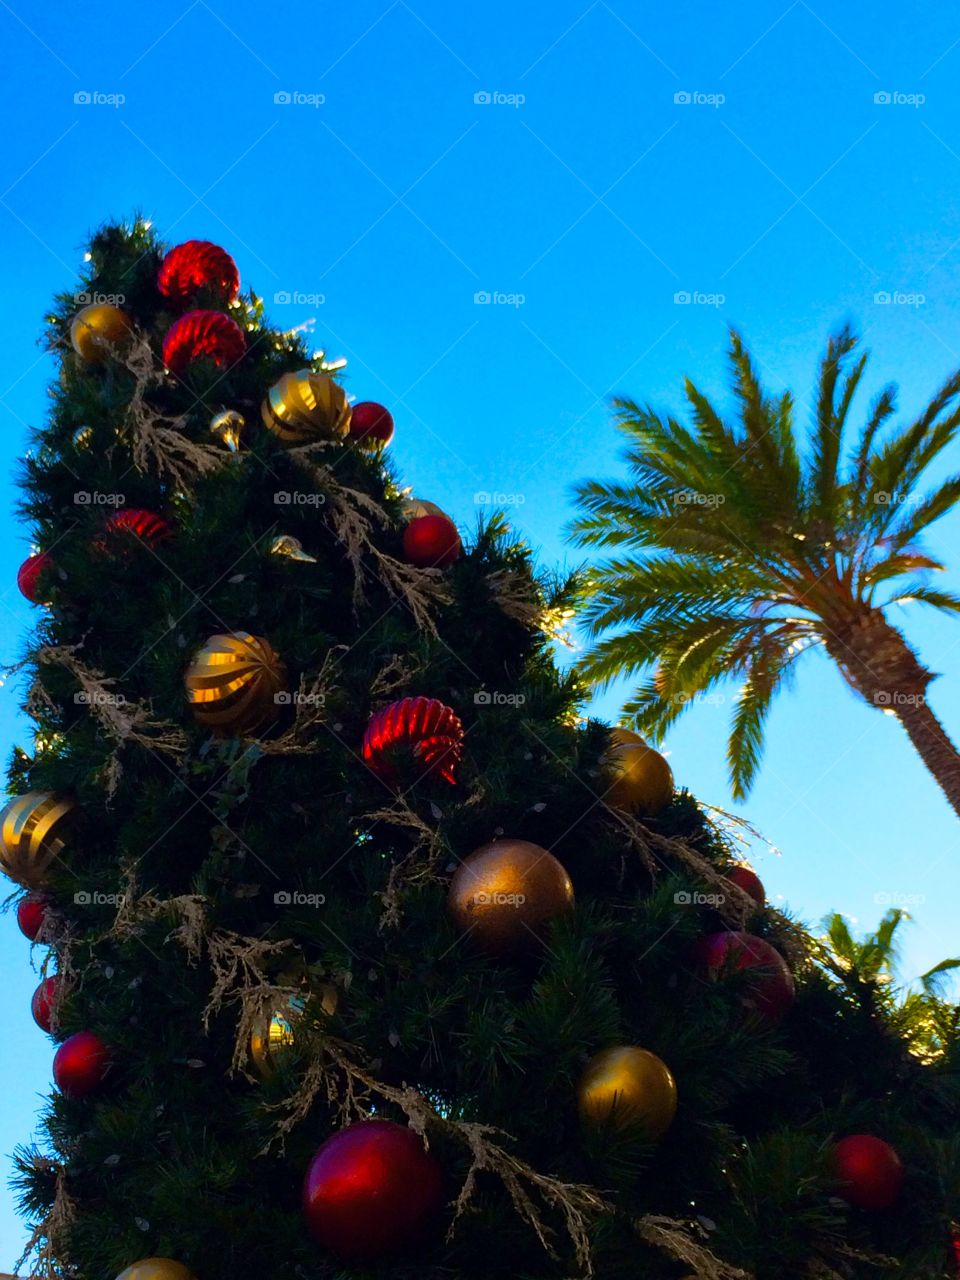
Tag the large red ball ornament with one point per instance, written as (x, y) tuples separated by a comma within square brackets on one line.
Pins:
[(41, 1006), (371, 1189), (868, 1170), (80, 1064), (150, 528), (30, 573), (749, 882), (423, 731), (371, 424), (198, 265), (31, 911), (771, 991), (431, 542), (203, 335)]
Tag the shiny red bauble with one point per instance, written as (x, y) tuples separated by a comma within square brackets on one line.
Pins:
[(371, 423), (198, 265), (749, 882), (41, 1006), (771, 991), (31, 910), (80, 1064), (150, 528), (422, 732), (371, 1189), (868, 1170), (203, 335), (29, 574), (431, 542)]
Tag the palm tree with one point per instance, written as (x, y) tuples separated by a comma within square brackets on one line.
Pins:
[(736, 549)]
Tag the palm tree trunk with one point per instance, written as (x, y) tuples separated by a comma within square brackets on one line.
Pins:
[(933, 746)]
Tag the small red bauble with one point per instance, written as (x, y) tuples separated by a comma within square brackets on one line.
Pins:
[(868, 1170), (80, 1064), (422, 728), (371, 423), (30, 914), (29, 573), (749, 882), (41, 1006), (150, 528), (207, 335), (431, 542), (370, 1189), (196, 265), (771, 993)]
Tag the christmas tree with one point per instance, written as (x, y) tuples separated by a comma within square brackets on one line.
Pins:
[(364, 954)]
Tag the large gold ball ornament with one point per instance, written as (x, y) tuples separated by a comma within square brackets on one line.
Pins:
[(505, 893), (413, 508), (96, 330), (232, 683), (156, 1269), (304, 407), (624, 1086), (228, 428), (276, 1032), (32, 831), (638, 778)]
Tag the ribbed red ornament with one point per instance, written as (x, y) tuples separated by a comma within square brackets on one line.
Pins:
[(150, 528), (28, 575), (80, 1064), (41, 1005), (198, 265), (423, 729), (206, 335)]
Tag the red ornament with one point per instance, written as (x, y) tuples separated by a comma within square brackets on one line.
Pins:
[(41, 1006), (203, 335), (869, 1171), (771, 993), (80, 1064), (371, 1188), (198, 265), (749, 882), (29, 573), (371, 423), (151, 529), (423, 728), (431, 542), (31, 911)]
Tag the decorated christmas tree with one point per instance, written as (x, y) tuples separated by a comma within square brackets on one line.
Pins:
[(363, 953)]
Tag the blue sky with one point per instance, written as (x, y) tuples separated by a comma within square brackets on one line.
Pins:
[(580, 164)]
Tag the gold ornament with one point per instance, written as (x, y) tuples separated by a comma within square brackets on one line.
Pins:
[(506, 892), (286, 545), (413, 508), (82, 438), (32, 830), (624, 1086), (638, 778), (228, 428), (156, 1269), (275, 1034), (306, 406), (232, 683), (97, 329)]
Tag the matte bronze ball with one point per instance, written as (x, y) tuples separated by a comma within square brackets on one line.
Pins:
[(32, 831), (624, 1086), (505, 893), (638, 779)]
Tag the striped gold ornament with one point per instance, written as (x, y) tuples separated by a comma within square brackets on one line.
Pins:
[(233, 682), (304, 407), (32, 830)]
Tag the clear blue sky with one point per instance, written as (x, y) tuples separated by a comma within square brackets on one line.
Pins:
[(584, 187)]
